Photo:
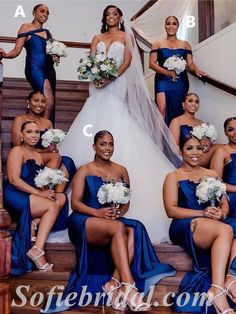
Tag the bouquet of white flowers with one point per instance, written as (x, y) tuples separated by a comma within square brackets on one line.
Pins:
[(57, 48), (49, 177), (52, 136), (96, 66), (209, 190), (114, 192), (205, 130), (175, 63)]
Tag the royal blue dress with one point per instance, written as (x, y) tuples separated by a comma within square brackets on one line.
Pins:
[(18, 205), (174, 91), (38, 64), (65, 160), (229, 176), (95, 266), (185, 130), (198, 280)]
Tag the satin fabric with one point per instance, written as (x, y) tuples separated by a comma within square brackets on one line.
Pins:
[(229, 176)]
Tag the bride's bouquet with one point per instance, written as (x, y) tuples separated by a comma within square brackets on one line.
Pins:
[(210, 189), (114, 193), (97, 66), (205, 130), (52, 136), (49, 177), (175, 63), (56, 48)]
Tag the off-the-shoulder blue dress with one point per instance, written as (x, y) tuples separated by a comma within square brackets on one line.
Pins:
[(95, 266), (175, 91), (198, 280), (18, 205)]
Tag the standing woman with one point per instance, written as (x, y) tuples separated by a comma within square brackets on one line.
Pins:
[(204, 231), (27, 203), (224, 162), (171, 88), (39, 70)]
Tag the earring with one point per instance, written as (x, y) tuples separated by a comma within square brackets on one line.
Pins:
[(121, 21), (21, 139), (183, 107), (28, 106)]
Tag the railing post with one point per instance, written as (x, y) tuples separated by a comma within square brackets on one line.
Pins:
[(5, 241)]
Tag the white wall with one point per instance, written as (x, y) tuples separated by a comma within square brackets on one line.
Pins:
[(77, 20)]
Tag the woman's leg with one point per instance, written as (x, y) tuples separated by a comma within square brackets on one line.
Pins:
[(206, 156), (161, 103), (48, 93), (230, 279), (51, 160), (61, 187), (48, 211), (219, 240)]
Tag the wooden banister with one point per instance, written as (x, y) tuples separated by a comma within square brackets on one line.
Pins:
[(70, 44), (143, 9), (5, 243)]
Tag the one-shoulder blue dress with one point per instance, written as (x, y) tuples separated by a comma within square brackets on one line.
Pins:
[(65, 160), (18, 205), (38, 64), (95, 266), (198, 280), (174, 91), (229, 176)]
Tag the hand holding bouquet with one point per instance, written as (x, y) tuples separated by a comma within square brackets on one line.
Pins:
[(52, 136), (57, 50), (96, 67), (206, 133), (175, 63), (49, 177)]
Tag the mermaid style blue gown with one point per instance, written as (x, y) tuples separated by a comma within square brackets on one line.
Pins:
[(95, 266), (198, 280), (229, 176), (18, 205), (65, 160), (174, 91)]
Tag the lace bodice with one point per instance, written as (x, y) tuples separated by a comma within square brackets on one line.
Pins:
[(118, 87)]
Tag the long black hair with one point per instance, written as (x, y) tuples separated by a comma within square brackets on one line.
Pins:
[(104, 16)]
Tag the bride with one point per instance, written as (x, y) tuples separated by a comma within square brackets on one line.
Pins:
[(125, 108)]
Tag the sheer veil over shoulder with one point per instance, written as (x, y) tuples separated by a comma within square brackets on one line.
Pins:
[(143, 143)]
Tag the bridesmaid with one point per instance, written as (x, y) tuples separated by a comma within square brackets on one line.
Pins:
[(27, 203), (171, 89), (183, 125), (114, 253), (39, 69), (224, 162), (205, 232), (36, 105)]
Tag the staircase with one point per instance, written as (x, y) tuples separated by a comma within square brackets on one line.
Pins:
[(63, 258)]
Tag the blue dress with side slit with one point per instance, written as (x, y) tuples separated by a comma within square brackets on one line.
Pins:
[(229, 176), (174, 91), (17, 204), (199, 279), (95, 266)]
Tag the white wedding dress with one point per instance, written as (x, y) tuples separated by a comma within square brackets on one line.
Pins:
[(146, 164)]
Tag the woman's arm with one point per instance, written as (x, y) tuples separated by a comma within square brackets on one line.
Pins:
[(170, 197), (153, 63), (191, 65), (217, 163), (18, 45), (175, 129), (16, 130)]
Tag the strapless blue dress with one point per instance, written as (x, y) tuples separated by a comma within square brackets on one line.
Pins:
[(18, 205), (95, 266), (65, 160), (229, 176), (38, 64), (174, 91), (198, 280), (185, 130)]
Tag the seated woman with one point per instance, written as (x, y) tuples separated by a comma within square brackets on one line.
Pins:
[(35, 108), (224, 162), (204, 231), (114, 253), (184, 124), (27, 203)]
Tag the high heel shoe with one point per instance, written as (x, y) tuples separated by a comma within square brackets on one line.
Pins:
[(44, 267), (34, 227), (142, 307), (229, 294), (211, 298), (119, 306)]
